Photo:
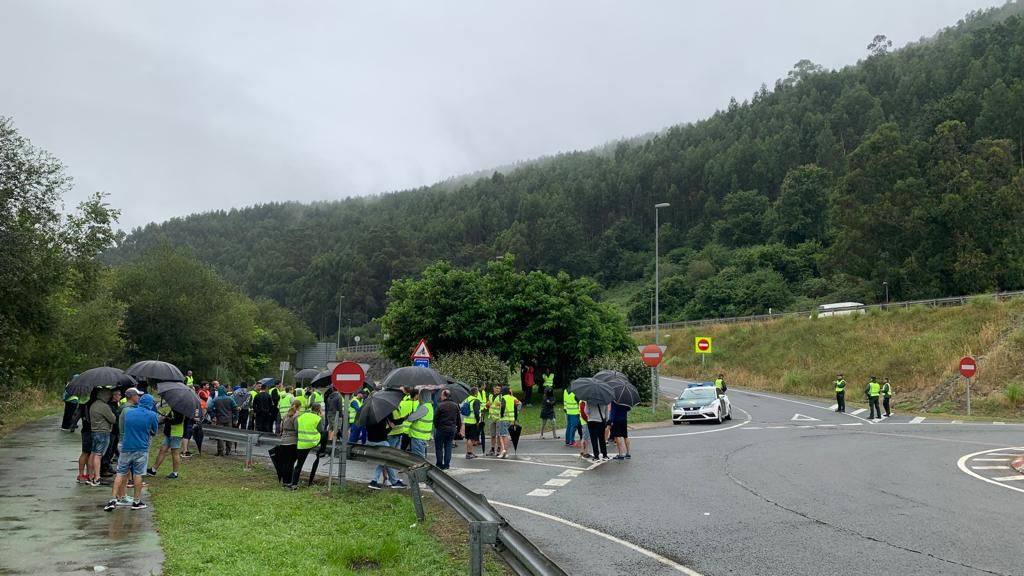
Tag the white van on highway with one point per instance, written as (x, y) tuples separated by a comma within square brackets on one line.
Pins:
[(840, 309)]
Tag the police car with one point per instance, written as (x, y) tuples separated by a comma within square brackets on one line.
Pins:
[(701, 402)]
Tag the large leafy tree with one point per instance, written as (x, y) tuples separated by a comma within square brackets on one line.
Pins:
[(520, 317)]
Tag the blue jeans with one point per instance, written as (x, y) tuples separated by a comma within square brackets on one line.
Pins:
[(357, 434), (418, 447), (572, 423), (443, 448), (378, 474)]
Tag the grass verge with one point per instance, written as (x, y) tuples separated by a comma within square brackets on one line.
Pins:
[(221, 519), (21, 405)]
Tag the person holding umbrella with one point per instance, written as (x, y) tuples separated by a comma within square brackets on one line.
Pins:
[(174, 430), (356, 433), (69, 423)]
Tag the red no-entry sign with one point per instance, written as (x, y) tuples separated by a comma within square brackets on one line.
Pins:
[(348, 377), (968, 367), (652, 354)]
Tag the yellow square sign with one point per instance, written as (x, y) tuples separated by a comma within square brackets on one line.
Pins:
[(702, 345)]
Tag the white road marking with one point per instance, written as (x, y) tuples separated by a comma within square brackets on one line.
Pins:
[(957, 422), (752, 428), (805, 426), (826, 425), (999, 423), (650, 554), (570, 473), (539, 492), (991, 459), (558, 482), (834, 407), (1010, 478), (464, 471), (917, 419), (776, 427), (798, 402), (801, 417), (853, 424), (962, 464), (1001, 454), (514, 461), (858, 411), (990, 467)]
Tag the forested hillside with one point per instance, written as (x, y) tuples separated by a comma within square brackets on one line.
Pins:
[(907, 168)]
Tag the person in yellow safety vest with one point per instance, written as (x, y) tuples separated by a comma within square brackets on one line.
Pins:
[(720, 386), (872, 390), (508, 408), (401, 428), (300, 395), (840, 393), (481, 423), (250, 424), (318, 397), (310, 428), (886, 397), (421, 427), (284, 402), (572, 417), (174, 429), (471, 417), (549, 378), (189, 380), (356, 433), (493, 415)]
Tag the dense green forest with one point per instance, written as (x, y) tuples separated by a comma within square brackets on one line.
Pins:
[(906, 168)]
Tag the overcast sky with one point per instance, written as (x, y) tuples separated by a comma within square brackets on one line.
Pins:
[(180, 107)]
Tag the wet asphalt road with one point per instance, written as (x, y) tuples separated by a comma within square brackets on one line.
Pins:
[(835, 495), (51, 525)]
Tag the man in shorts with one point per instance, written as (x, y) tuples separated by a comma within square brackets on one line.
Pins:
[(493, 416), (620, 434), (137, 426), (174, 430)]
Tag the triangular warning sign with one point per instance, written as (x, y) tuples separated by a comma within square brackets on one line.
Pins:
[(422, 351), (805, 418)]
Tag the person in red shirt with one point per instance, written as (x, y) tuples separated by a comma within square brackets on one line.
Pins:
[(527, 381)]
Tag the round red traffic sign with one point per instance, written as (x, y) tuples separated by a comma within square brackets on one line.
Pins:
[(968, 366), (703, 344), (348, 377), (651, 354)]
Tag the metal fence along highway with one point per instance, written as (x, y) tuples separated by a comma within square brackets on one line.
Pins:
[(486, 525), (932, 303)]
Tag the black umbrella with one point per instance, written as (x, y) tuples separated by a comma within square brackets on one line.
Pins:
[(610, 376), (103, 377), (625, 393), (514, 431), (592, 390), (459, 390), (321, 380), (180, 398), (379, 406), (412, 376), (268, 382), (198, 434), (307, 374), (157, 370)]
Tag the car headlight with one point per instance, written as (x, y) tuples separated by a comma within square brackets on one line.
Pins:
[(710, 407)]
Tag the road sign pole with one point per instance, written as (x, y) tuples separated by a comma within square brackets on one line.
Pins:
[(344, 438), (968, 396), (330, 458), (654, 389)]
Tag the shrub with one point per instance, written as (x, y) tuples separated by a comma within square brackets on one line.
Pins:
[(628, 362), (1015, 394), (473, 367)]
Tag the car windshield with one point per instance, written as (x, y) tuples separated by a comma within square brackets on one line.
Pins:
[(698, 394)]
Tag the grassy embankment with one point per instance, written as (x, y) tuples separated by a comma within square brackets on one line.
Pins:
[(25, 404), (221, 519), (917, 348)]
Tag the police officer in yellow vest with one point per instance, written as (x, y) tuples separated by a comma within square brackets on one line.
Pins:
[(840, 393), (471, 421), (872, 390), (886, 397), (300, 395), (406, 407), (421, 427), (493, 416), (572, 417), (310, 428), (720, 386), (189, 380), (356, 433)]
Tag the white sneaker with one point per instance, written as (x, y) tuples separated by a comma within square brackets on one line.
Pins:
[(126, 501)]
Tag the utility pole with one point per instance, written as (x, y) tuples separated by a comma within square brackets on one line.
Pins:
[(657, 304), (340, 297)]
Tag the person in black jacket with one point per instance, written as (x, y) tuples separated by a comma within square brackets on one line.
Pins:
[(447, 422), (265, 409)]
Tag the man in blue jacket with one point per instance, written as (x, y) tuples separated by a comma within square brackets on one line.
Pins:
[(138, 425)]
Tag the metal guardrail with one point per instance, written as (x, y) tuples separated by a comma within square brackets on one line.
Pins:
[(361, 348), (486, 525), (933, 303)]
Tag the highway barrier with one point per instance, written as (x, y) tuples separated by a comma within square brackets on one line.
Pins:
[(486, 525), (932, 303)]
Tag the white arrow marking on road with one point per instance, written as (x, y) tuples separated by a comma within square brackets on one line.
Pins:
[(917, 420), (962, 465), (990, 467), (802, 417), (540, 492)]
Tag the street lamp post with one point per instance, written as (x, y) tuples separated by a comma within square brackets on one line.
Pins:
[(886, 284), (657, 303)]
